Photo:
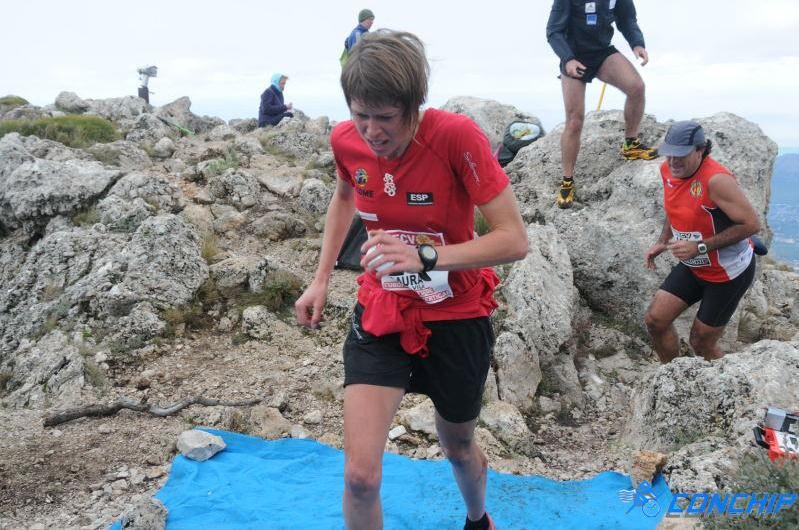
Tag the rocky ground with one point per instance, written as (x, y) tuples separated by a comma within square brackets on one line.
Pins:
[(161, 268)]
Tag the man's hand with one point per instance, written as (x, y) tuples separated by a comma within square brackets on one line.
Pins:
[(683, 250), (289, 106), (575, 68), (640, 52), (653, 252)]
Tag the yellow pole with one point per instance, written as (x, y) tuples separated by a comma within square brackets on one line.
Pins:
[(601, 96)]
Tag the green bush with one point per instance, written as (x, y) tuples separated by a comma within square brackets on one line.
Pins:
[(72, 130), (481, 225), (757, 474), (11, 102)]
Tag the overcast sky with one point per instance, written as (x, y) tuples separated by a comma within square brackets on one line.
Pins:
[(706, 56)]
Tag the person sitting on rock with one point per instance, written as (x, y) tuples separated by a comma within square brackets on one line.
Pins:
[(581, 36), (708, 224), (272, 108)]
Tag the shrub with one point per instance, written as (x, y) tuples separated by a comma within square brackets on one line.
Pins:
[(280, 288), (757, 474), (72, 130), (217, 167), (11, 102), (481, 226)]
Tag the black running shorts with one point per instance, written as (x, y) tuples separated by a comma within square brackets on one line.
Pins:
[(719, 300), (592, 61), (453, 375)]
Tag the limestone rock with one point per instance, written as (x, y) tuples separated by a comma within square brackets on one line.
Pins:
[(149, 514), (235, 187), (199, 445), (257, 322), (267, 422), (277, 226), (645, 465), (71, 102), (491, 116), (314, 196), (164, 148)]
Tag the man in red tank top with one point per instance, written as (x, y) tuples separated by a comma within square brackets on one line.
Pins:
[(708, 224)]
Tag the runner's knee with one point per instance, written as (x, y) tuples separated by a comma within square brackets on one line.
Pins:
[(362, 481), (462, 451), (702, 343), (655, 323), (574, 123), (636, 89)]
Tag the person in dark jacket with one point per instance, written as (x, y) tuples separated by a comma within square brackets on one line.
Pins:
[(365, 20), (272, 108), (580, 32)]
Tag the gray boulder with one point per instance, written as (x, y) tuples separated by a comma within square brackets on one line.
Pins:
[(314, 197), (491, 116), (122, 154), (164, 148), (71, 102), (148, 514), (542, 302), (199, 445), (40, 189), (235, 187)]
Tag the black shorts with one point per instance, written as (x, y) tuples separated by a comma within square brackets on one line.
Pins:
[(453, 375), (592, 61), (719, 300)]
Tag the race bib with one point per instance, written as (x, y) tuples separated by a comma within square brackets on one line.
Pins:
[(701, 260), (432, 286)]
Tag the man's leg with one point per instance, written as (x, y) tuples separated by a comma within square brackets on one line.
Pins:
[(659, 319), (574, 103), (368, 412), (704, 340), (617, 71), (469, 464)]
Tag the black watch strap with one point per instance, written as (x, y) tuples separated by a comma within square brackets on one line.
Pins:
[(428, 255)]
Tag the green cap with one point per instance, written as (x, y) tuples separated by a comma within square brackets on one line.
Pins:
[(364, 14)]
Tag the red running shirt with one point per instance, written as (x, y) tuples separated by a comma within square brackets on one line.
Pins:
[(694, 217), (427, 195)]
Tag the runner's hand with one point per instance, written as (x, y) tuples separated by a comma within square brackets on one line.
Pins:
[(653, 252), (309, 306), (575, 68), (640, 52), (389, 248), (683, 250)]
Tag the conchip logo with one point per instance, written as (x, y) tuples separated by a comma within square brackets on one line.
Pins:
[(419, 198)]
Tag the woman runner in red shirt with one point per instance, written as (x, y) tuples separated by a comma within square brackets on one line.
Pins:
[(421, 323)]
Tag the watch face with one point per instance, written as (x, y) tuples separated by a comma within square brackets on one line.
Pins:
[(428, 252)]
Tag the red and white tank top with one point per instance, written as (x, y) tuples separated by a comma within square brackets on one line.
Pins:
[(694, 217)]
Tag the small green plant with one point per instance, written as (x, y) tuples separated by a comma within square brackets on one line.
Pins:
[(217, 167), (240, 338), (481, 225), (5, 377), (71, 130), (93, 374), (757, 474), (209, 249), (51, 292), (86, 218), (279, 288)]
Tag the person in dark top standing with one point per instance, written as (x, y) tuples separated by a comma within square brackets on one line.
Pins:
[(272, 108), (580, 33), (365, 20)]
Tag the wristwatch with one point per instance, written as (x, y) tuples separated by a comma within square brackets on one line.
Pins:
[(701, 247), (429, 256)]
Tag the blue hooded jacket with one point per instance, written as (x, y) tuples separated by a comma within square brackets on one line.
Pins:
[(272, 108)]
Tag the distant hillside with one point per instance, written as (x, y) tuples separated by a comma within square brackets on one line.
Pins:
[(786, 167), (783, 216)]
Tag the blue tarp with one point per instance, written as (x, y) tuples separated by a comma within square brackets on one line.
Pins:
[(288, 484)]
